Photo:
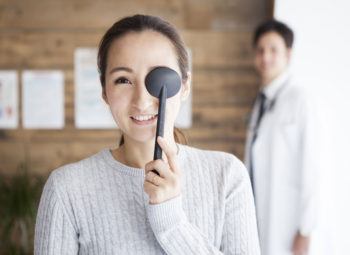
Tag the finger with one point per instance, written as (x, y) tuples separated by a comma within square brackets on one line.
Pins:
[(169, 152), (160, 166), (154, 179), (153, 192), (149, 188)]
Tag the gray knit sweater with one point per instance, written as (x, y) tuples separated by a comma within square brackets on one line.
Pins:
[(98, 206)]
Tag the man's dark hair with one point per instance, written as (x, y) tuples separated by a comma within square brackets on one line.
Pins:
[(274, 26)]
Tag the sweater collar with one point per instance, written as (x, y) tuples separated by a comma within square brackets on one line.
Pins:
[(133, 171)]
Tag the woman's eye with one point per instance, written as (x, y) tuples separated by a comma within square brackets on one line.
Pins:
[(122, 80)]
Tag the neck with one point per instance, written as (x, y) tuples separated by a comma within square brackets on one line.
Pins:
[(265, 81), (138, 154), (268, 79)]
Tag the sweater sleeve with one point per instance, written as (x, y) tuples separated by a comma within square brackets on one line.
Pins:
[(54, 231), (177, 235), (174, 232)]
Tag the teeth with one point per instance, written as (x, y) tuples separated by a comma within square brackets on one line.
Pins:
[(143, 117)]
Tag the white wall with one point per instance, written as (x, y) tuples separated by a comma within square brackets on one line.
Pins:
[(322, 61)]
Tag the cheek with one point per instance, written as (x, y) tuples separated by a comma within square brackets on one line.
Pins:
[(256, 61), (173, 107), (279, 60), (276, 59), (118, 102), (260, 60)]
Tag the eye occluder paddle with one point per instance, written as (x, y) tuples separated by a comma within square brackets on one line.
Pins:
[(162, 82)]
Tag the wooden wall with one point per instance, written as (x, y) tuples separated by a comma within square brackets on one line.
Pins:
[(42, 34)]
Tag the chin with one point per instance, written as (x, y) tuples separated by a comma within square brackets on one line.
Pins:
[(269, 75), (143, 138)]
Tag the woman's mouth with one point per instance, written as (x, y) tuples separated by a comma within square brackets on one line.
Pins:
[(144, 119)]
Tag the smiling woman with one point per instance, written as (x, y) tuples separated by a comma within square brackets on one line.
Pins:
[(112, 202), (125, 91)]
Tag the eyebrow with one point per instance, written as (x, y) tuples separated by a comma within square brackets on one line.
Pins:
[(120, 68)]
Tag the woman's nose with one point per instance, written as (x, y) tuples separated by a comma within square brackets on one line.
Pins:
[(142, 100)]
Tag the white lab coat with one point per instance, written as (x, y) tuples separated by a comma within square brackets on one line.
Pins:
[(285, 161)]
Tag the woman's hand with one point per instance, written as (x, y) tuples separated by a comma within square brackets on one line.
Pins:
[(167, 184)]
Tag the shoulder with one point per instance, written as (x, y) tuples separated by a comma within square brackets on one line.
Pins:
[(226, 166), (299, 100), (220, 158), (294, 90), (70, 176), (64, 188), (298, 92)]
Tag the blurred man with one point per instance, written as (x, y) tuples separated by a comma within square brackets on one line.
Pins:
[(281, 150)]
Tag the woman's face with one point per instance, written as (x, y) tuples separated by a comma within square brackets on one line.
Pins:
[(130, 59)]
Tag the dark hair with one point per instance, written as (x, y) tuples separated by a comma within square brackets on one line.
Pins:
[(139, 23), (274, 26)]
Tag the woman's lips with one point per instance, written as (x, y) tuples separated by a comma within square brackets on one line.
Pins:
[(144, 119)]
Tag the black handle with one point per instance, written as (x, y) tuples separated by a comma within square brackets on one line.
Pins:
[(160, 123), (162, 82)]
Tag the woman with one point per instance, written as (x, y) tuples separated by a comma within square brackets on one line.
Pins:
[(112, 203)]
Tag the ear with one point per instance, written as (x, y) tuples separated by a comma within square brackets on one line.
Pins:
[(104, 95), (186, 87)]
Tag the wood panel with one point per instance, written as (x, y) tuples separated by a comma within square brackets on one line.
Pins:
[(220, 49), (230, 87), (86, 14), (52, 50), (234, 147), (203, 117), (43, 34), (91, 14), (224, 14), (46, 156), (12, 154), (44, 150)]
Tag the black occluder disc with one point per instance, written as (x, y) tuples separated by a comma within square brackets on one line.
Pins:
[(163, 76)]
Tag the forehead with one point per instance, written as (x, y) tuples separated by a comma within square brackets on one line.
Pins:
[(147, 47), (271, 38)]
